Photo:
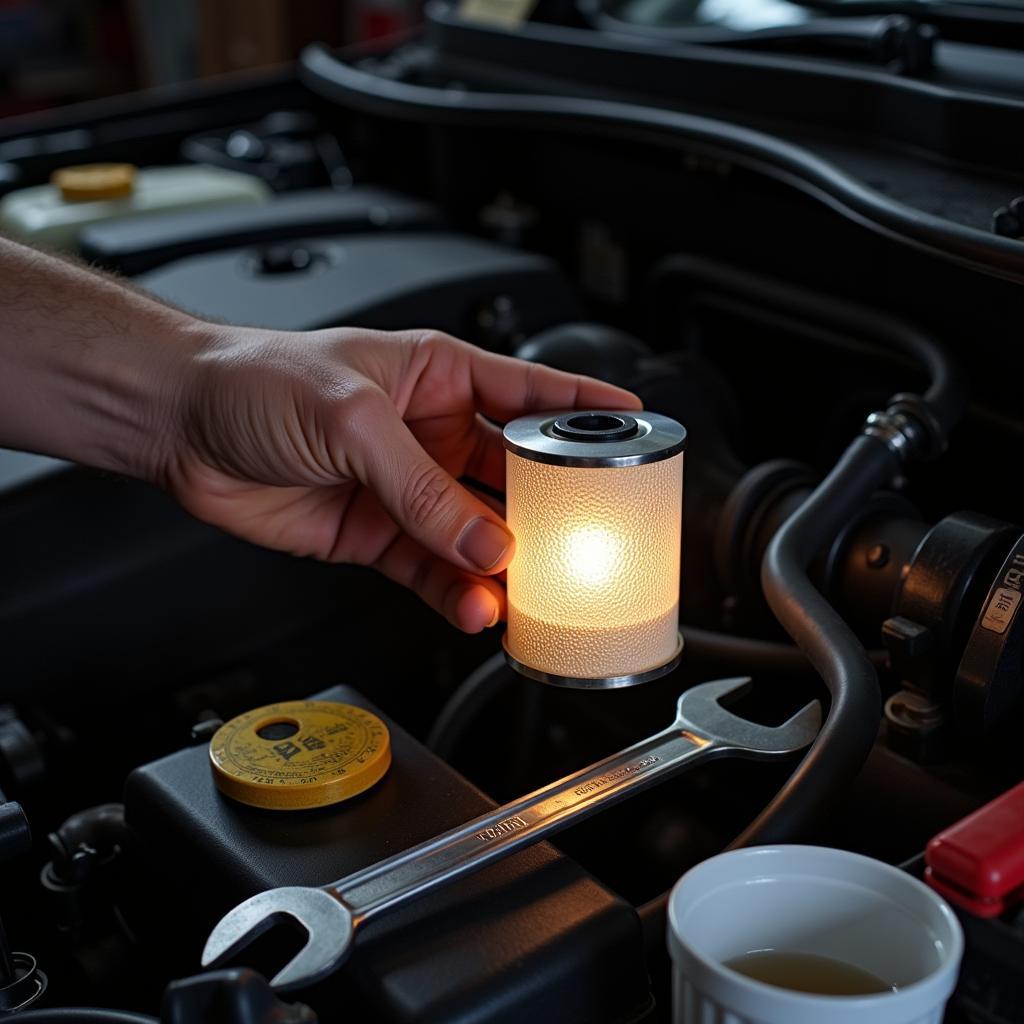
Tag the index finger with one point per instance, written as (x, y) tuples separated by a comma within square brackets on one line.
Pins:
[(506, 388)]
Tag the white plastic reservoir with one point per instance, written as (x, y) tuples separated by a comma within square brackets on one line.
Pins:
[(54, 215)]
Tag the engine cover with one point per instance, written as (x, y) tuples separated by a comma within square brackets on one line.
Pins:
[(386, 280), (531, 937)]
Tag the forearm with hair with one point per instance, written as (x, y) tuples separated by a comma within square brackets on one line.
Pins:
[(90, 369)]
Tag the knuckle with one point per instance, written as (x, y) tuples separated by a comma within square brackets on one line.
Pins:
[(359, 407), (531, 386), (431, 339), (439, 349), (428, 495)]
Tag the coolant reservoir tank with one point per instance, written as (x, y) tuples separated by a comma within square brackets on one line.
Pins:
[(594, 500), (54, 215)]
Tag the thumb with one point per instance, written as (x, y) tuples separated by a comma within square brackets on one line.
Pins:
[(426, 501)]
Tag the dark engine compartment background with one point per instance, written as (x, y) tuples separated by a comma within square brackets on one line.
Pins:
[(124, 623)]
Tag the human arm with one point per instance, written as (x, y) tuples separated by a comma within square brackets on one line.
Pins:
[(343, 444)]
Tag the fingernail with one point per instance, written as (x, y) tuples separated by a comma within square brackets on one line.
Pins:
[(483, 543), (494, 618)]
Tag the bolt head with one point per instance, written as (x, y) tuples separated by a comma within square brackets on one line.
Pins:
[(877, 556)]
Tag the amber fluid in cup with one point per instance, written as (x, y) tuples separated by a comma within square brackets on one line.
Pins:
[(805, 972)]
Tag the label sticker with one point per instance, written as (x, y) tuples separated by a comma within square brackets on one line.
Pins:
[(500, 13), (1001, 609)]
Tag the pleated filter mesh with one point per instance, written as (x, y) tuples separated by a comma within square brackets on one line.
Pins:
[(593, 589)]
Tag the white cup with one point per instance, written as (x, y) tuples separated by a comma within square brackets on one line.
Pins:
[(809, 899)]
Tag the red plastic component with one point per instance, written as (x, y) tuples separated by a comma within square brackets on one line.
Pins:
[(379, 22), (978, 863)]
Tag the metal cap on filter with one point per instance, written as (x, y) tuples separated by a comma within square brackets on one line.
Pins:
[(595, 439)]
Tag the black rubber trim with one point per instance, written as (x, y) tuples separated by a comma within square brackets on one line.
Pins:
[(83, 1015), (335, 80), (940, 123)]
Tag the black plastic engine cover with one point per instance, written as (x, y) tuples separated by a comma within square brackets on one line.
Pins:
[(530, 938), (388, 281), (132, 245)]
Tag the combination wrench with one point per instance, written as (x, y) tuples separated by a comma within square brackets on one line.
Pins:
[(331, 914)]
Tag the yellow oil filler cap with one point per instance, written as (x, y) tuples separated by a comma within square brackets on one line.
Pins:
[(86, 182), (300, 754)]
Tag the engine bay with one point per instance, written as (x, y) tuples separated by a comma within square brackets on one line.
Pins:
[(781, 272)]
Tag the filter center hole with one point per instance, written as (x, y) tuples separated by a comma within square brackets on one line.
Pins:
[(595, 421), (278, 729), (595, 426)]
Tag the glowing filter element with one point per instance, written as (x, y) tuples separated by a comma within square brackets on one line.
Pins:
[(592, 555), (593, 589)]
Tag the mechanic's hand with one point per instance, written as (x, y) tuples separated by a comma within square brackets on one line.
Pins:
[(346, 445)]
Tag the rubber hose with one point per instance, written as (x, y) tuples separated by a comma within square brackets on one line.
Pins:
[(6, 963), (493, 677), (945, 396), (101, 827), (361, 90), (851, 726), (83, 1015), (478, 689), (748, 655)]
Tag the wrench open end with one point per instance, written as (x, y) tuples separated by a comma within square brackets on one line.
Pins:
[(700, 710), (327, 922)]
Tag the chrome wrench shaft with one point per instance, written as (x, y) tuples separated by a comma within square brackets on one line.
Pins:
[(702, 729)]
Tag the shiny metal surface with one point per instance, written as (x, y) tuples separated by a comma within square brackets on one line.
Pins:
[(330, 915), (598, 683), (901, 433), (534, 437)]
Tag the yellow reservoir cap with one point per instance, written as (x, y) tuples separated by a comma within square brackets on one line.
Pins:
[(300, 754), (86, 182)]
